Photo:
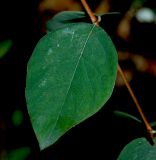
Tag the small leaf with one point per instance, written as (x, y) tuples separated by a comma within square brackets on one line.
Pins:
[(4, 47), (126, 116), (71, 75), (138, 149), (64, 18), (19, 154)]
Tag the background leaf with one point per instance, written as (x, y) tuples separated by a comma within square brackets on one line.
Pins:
[(19, 154), (138, 149), (4, 47), (62, 19), (126, 116), (17, 118), (71, 75)]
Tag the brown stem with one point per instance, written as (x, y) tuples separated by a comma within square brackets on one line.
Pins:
[(90, 13), (146, 123)]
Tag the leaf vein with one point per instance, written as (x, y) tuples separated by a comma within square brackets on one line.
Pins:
[(77, 64)]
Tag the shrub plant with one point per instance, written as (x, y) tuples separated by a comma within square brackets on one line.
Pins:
[(71, 75)]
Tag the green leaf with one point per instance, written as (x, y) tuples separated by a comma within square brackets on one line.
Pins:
[(126, 116), (138, 149), (64, 18), (17, 117), (19, 154), (71, 75), (4, 47)]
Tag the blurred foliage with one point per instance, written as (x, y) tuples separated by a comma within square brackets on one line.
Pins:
[(17, 117), (58, 5), (19, 154), (4, 47)]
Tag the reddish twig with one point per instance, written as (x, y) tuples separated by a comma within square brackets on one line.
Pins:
[(146, 123), (90, 13)]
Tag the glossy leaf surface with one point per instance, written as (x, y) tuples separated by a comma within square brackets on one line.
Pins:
[(71, 75)]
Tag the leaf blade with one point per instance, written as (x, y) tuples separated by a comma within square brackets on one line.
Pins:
[(66, 79), (126, 116), (63, 18), (138, 149)]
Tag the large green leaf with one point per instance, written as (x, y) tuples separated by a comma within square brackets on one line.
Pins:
[(139, 149), (71, 75)]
